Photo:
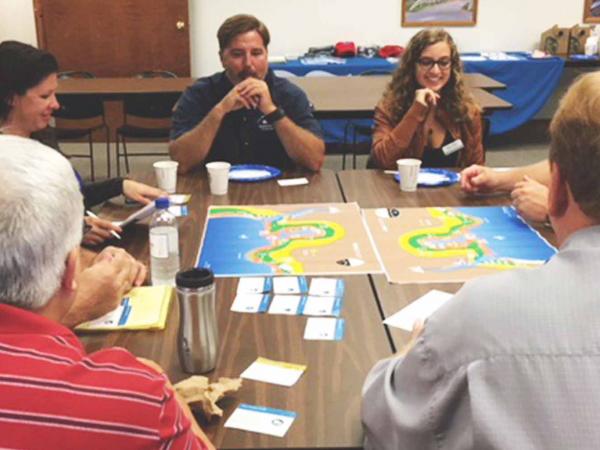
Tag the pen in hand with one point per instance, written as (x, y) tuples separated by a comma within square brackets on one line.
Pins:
[(91, 214)]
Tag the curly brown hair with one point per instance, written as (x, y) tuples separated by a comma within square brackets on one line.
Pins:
[(400, 92)]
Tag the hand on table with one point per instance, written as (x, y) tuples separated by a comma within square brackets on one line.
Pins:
[(99, 231), (101, 286), (426, 97), (479, 179), (531, 199), (141, 192), (131, 270)]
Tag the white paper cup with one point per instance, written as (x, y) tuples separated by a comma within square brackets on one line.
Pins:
[(218, 177), (408, 170), (166, 175)]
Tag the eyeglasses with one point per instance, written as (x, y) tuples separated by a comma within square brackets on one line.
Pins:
[(428, 63)]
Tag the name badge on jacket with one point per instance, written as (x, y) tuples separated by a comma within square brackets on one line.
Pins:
[(452, 147)]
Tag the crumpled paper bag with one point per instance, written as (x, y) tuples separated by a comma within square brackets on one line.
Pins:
[(197, 389)]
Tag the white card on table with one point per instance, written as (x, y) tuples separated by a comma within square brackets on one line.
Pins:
[(276, 372), (328, 287), (250, 303), (258, 419), (254, 285), (292, 182), (420, 309), (178, 210), (112, 318), (289, 285), (285, 304), (313, 305), (324, 329)]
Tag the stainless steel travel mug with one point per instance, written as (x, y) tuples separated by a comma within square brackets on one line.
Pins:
[(198, 341)]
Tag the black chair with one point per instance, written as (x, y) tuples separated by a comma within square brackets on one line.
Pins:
[(145, 117), (357, 130), (79, 116)]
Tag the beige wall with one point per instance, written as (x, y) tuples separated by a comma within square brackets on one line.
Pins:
[(298, 24), (17, 21)]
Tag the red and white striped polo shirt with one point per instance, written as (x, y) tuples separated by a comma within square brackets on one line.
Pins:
[(55, 396)]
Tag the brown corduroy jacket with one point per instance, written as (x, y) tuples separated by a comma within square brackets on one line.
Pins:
[(407, 139)]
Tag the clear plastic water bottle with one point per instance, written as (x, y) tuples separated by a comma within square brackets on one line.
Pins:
[(164, 244)]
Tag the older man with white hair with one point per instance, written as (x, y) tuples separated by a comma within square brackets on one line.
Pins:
[(53, 394)]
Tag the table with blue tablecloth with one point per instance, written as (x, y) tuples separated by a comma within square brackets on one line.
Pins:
[(529, 83)]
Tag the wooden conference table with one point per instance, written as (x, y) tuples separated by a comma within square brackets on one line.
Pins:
[(374, 189), (333, 97), (327, 397)]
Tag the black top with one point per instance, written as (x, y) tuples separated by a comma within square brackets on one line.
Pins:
[(244, 136), (93, 193), (435, 157)]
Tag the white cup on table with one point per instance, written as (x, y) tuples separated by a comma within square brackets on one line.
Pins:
[(218, 177), (408, 170), (166, 175)]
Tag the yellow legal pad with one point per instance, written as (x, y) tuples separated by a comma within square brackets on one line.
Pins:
[(144, 308)]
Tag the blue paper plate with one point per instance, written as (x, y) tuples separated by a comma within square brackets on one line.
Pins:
[(435, 177), (584, 57), (250, 173)]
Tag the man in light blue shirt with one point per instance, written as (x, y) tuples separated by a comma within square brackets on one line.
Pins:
[(513, 360)]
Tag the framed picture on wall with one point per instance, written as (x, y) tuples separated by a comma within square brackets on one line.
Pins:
[(444, 13), (591, 13)]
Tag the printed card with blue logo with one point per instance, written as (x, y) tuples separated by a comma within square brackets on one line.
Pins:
[(259, 419)]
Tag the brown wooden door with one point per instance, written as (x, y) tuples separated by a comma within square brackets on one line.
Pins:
[(116, 37)]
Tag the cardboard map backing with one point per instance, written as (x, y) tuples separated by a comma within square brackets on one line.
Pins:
[(432, 245)]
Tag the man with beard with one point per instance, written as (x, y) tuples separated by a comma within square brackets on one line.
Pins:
[(245, 114)]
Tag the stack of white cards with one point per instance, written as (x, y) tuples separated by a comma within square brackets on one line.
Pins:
[(285, 296), (291, 296)]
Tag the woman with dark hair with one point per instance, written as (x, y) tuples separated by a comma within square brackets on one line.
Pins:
[(28, 83), (425, 112)]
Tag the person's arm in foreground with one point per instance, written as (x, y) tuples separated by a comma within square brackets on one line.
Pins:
[(482, 179), (97, 192), (531, 199), (396, 399), (102, 285), (192, 147)]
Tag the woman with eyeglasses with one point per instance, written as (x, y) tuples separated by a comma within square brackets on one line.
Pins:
[(425, 112)]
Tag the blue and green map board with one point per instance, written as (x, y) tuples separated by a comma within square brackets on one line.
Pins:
[(305, 239), (447, 244)]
